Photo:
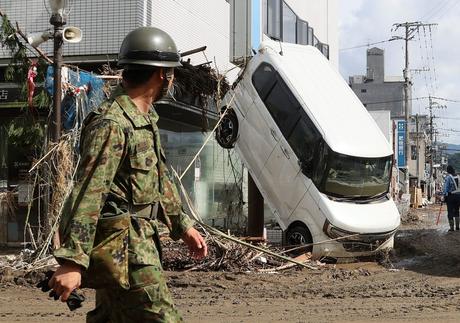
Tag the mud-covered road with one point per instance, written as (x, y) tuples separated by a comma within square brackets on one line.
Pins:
[(419, 283)]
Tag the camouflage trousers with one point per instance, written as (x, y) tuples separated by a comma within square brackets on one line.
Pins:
[(148, 300)]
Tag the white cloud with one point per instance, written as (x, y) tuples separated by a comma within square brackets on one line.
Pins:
[(370, 21)]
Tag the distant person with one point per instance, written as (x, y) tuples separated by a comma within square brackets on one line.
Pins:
[(452, 198)]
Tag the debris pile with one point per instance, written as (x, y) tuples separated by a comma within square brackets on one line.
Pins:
[(24, 268), (226, 256)]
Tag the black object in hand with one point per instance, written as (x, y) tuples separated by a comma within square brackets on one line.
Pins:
[(73, 302)]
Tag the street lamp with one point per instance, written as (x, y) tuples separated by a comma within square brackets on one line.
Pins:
[(59, 35)]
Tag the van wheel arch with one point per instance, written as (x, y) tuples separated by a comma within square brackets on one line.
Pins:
[(298, 234)]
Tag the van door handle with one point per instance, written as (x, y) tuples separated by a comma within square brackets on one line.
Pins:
[(285, 152), (273, 132)]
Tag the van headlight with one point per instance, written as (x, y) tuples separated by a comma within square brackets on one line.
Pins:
[(334, 232)]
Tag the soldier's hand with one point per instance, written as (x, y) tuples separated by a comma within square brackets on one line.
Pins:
[(195, 243), (66, 278)]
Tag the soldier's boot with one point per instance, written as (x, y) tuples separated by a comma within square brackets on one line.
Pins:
[(451, 224), (457, 224)]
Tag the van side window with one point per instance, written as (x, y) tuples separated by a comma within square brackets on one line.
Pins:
[(278, 99), (263, 79), (292, 120), (304, 140)]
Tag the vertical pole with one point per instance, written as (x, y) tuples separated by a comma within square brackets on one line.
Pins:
[(417, 151), (406, 107), (395, 149), (58, 22), (255, 210), (431, 149)]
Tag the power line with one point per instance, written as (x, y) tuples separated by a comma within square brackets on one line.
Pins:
[(449, 118), (453, 5), (413, 99), (434, 11), (451, 130), (367, 45)]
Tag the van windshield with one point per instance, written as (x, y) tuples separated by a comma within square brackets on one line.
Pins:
[(355, 177)]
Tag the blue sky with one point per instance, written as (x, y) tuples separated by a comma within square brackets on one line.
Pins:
[(368, 21)]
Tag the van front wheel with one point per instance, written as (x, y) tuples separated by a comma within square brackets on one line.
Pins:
[(227, 132), (299, 235)]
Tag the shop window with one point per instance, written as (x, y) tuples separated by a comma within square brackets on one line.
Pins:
[(302, 32), (289, 24), (315, 41), (264, 17), (325, 50), (413, 152), (274, 19), (310, 35)]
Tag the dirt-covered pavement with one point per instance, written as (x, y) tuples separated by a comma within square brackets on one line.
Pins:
[(420, 282)]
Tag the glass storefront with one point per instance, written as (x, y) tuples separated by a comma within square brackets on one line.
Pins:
[(214, 182)]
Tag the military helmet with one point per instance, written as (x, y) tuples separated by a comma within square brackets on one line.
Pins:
[(148, 46)]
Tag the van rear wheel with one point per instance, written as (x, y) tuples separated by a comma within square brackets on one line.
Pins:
[(297, 236), (227, 132)]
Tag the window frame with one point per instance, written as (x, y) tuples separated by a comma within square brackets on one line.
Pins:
[(285, 6), (302, 29), (272, 4)]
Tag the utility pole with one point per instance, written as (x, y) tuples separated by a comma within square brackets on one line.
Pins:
[(431, 150), (417, 150), (410, 29), (432, 105)]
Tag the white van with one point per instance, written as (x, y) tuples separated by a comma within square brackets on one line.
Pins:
[(317, 156)]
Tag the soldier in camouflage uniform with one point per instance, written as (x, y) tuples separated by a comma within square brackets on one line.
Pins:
[(122, 188)]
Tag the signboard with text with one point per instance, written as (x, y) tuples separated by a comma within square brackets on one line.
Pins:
[(401, 140), (9, 92)]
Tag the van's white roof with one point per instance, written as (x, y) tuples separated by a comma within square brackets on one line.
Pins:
[(346, 125)]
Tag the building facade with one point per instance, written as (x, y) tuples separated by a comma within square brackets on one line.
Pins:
[(379, 93), (376, 90), (215, 179)]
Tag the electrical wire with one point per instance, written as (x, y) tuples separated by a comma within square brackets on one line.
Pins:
[(436, 11), (431, 89), (368, 44), (424, 63), (414, 99), (448, 10)]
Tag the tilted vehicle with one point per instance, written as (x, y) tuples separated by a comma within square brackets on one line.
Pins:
[(317, 156)]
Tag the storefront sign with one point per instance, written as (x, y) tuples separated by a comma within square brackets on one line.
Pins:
[(401, 144), (9, 93)]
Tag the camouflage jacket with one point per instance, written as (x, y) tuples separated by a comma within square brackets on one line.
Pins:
[(121, 156)]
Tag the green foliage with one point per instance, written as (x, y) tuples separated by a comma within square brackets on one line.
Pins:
[(17, 69), (25, 133)]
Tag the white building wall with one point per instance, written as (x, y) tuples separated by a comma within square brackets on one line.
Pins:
[(192, 24), (196, 23), (323, 16), (383, 120)]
